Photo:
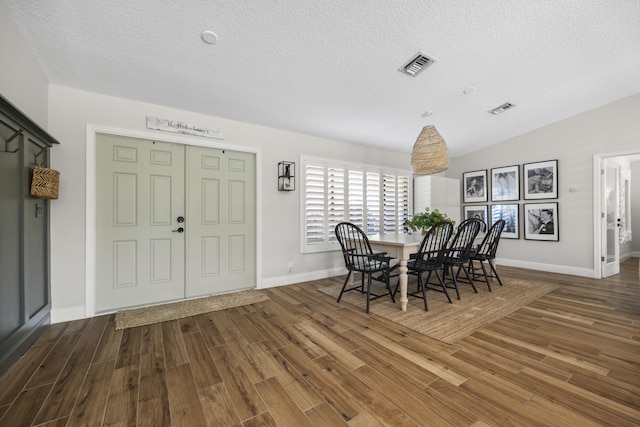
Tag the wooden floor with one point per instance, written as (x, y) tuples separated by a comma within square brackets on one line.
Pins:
[(571, 358)]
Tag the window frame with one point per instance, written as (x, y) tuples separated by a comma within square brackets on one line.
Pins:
[(341, 207)]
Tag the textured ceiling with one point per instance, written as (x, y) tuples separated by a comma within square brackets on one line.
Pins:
[(329, 68)]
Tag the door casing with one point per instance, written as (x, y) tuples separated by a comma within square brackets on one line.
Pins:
[(90, 224), (598, 208)]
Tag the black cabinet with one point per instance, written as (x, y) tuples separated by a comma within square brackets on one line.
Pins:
[(25, 298)]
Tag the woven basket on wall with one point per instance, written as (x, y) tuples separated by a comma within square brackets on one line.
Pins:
[(44, 184)]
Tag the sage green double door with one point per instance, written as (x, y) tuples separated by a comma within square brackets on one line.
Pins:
[(172, 221)]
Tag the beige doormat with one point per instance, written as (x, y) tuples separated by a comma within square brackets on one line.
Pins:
[(446, 322), (178, 310)]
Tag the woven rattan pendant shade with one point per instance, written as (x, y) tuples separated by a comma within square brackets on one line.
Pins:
[(430, 153)]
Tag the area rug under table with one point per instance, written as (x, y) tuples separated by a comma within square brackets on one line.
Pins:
[(178, 310), (446, 322)]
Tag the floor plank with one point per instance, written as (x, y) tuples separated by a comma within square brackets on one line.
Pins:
[(572, 357)]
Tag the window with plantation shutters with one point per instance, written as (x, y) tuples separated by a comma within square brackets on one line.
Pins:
[(375, 199)]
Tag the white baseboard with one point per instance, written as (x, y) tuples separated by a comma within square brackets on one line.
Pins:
[(289, 279), (76, 313), (59, 315), (323, 274), (552, 268)]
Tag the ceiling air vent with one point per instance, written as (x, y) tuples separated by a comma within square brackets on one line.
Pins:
[(501, 109), (415, 65)]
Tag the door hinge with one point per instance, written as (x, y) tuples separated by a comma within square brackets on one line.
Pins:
[(601, 214), (602, 258)]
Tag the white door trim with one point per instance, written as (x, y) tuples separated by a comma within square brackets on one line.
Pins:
[(598, 164), (90, 196)]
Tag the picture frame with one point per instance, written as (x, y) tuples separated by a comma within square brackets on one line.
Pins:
[(541, 221), (511, 214), (540, 180), (477, 211), (505, 184), (475, 186)]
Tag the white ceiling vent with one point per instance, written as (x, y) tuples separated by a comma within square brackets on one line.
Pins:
[(501, 109), (415, 65)]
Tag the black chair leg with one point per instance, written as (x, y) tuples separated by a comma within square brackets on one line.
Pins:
[(387, 276), (424, 288), (455, 282), (486, 276), (344, 286), (473, 268), (444, 288), (495, 272), (468, 277), (368, 291)]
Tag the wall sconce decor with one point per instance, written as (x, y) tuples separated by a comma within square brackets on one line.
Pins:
[(286, 176)]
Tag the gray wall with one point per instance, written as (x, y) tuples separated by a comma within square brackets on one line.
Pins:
[(573, 142), (635, 208), (22, 81)]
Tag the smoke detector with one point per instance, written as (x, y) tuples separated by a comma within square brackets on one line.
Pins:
[(501, 109), (417, 63)]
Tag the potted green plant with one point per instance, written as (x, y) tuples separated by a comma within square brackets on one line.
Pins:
[(427, 219)]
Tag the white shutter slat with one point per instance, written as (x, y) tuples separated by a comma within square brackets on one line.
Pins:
[(376, 201)]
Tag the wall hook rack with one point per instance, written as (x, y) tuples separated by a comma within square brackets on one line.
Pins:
[(42, 150), (11, 138)]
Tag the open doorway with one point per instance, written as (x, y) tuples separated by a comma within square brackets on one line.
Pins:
[(613, 182)]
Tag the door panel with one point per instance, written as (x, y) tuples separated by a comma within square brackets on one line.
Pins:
[(221, 227), (611, 226), (139, 257), (141, 193)]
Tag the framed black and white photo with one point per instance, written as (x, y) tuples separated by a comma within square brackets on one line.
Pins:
[(541, 221), (511, 215), (505, 184), (478, 212), (475, 186), (540, 180)]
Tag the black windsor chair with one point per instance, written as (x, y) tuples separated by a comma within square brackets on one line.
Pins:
[(459, 251), (430, 259), (486, 252), (359, 257)]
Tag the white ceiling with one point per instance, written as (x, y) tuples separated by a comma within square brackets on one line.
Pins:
[(329, 68)]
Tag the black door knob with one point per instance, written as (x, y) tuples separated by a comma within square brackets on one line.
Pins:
[(181, 219)]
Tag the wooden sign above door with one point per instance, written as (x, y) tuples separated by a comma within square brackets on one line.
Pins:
[(182, 127)]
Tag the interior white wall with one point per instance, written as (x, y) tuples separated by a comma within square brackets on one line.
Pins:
[(574, 141), (71, 111), (635, 208), (22, 81)]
